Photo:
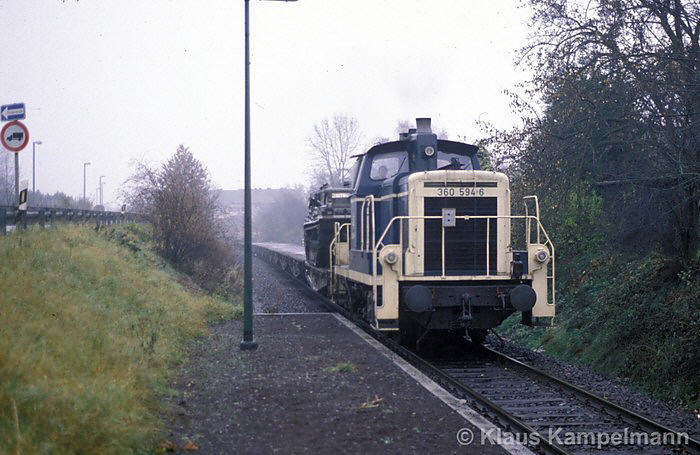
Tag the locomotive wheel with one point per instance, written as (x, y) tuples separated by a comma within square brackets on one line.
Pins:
[(477, 335)]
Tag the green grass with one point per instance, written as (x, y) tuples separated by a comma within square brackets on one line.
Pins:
[(635, 319), (91, 328), (341, 367)]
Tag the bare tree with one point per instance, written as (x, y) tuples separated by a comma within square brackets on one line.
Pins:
[(332, 144), (403, 126)]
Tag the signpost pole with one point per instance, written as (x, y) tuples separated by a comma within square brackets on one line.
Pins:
[(16, 176)]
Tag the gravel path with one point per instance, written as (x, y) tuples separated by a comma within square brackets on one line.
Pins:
[(285, 397), (312, 386), (613, 389)]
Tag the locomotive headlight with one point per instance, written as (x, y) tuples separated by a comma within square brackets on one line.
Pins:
[(541, 256), (429, 151), (391, 258)]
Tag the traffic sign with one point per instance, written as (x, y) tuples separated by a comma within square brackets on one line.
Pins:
[(14, 136), (10, 112), (23, 195)]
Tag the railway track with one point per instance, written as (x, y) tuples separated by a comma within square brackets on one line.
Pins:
[(544, 413), (572, 418)]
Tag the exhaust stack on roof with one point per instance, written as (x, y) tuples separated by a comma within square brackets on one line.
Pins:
[(423, 125)]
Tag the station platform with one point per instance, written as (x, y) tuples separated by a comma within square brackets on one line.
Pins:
[(294, 251), (316, 384)]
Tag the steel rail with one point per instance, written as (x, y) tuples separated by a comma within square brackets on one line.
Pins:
[(597, 402)]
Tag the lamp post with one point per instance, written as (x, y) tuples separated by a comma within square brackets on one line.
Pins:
[(34, 144), (248, 342), (85, 165), (101, 183)]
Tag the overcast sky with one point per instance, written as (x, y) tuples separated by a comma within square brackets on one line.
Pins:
[(111, 81)]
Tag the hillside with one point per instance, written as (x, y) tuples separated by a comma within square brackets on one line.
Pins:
[(92, 327)]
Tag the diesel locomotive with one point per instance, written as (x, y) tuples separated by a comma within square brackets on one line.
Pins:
[(420, 241)]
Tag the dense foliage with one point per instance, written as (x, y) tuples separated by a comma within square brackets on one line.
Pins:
[(618, 133)]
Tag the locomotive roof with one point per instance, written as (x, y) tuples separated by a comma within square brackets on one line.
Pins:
[(444, 145), (337, 189)]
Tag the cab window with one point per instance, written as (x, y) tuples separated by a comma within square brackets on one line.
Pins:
[(444, 159), (354, 170), (387, 165)]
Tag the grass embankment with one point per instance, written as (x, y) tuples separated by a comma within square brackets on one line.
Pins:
[(636, 319), (91, 328)]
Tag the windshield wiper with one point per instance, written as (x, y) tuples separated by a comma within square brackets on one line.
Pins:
[(453, 162)]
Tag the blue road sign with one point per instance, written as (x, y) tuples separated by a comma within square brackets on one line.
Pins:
[(12, 112)]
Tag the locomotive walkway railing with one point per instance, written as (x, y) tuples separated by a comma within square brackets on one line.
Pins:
[(13, 219), (377, 246), (528, 219)]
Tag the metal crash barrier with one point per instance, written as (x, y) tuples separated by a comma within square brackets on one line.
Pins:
[(11, 218)]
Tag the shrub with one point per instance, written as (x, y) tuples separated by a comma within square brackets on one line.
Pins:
[(188, 231)]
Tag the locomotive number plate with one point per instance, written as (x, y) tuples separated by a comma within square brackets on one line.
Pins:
[(460, 191)]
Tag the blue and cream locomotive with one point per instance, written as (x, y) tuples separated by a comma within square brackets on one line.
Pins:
[(428, 245)]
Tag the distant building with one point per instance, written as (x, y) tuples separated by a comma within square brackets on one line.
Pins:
[(231, 201)]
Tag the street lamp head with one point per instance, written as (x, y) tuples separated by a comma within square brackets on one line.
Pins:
[(87, 163), (37, 142)]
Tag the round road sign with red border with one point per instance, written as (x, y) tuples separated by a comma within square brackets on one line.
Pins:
[(14, 136)]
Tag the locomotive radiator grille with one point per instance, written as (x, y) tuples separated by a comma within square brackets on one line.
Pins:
[(465, 244)]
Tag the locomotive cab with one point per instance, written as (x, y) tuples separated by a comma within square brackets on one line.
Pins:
[(429, 242), (327, 206)]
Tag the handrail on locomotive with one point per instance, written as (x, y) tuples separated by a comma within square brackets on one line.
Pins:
[(367, 214), (338, 229)]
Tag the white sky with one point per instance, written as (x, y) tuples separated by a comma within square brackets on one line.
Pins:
[(111, 81)]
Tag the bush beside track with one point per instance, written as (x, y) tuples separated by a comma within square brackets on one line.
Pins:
[(92, 326), (636, 319)]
